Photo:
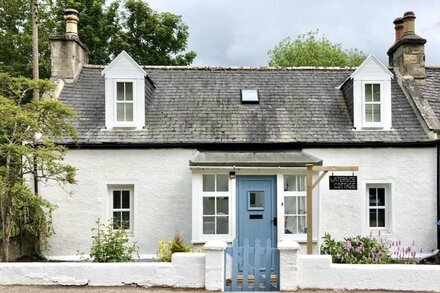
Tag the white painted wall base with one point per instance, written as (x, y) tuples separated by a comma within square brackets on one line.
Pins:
[(318, 272)]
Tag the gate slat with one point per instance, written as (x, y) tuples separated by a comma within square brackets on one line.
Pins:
[(234, 285), (246, 264), (277, 267), (257, 265), (268, 264)]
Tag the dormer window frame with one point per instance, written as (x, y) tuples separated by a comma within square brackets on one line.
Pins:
[(365, 123), (122, 124)]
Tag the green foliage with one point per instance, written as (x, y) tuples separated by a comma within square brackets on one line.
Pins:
[(356, 250), (311, 50), (110, 245), (23, 155), (152, 38), (166, 249)]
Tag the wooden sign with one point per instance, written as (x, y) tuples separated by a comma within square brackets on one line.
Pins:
[(343, 182)]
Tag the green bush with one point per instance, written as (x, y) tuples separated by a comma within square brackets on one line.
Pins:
[(110, 245), (166, 249), (356, 250)]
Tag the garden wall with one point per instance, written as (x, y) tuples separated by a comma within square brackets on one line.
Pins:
[(187, 270), (318, 272)]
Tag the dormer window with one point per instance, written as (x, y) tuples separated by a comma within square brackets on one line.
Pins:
[(124, 102), (368, 94), (124, 94), (372, 103)]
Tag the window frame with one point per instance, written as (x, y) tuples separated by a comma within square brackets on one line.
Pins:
[(116, 102), (295, 194), (388, 187), (215, 194), (130, 188), (379, 124)]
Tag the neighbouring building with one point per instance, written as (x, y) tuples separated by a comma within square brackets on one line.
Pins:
[(221, 153)]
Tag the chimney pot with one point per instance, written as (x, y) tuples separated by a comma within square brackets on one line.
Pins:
[(398, 27), (409, 23), (71, 16)]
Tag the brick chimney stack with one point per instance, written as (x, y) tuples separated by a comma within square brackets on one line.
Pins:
[(68, 53), (407, 54)]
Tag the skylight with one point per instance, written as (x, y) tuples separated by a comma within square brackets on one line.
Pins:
[(249, 96)]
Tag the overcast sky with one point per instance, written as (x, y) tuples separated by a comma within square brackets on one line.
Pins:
[(240, 32)]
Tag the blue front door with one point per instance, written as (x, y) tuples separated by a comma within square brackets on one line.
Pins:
[(256, 209)]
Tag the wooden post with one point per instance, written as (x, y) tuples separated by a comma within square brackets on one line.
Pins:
[(309, 208)]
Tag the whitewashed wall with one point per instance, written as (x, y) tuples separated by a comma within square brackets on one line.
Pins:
[(162, 181), (412, 173)]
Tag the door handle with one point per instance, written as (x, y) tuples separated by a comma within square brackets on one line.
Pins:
[(275, 221)]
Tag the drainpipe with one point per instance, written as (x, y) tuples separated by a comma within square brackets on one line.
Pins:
[(438, 194)]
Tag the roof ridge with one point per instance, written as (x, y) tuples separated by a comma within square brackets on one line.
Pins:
[(232, 68)]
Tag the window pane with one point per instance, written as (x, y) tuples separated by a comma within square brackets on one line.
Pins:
[(120, 91), (290, 223), (376, 113), (381, 196), (116, 199), (222, 182), (368, 93), (376, 92), (302, 224), (129, 91), (126, 220), (290, 205), (117, 220), (373, 218), (381, 218), (128, 112), (222, 206), (289, 183), (368, 113), (222, 225), (302, 208), (208, 225), (256, 199), (125, 199), (301, 182), (120, 112), (209, 205), (372, 196), (208, 182)]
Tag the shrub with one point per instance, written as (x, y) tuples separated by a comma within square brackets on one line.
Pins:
[(166, 249), (110, 245), (356, 250)]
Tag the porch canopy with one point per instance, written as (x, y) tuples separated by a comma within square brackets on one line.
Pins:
[(253, 159)]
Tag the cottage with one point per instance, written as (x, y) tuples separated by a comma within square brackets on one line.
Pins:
[(221, 153)]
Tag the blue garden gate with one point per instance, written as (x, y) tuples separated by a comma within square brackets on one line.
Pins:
[(252, 268)]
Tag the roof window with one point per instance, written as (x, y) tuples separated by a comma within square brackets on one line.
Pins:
[(249, 96)]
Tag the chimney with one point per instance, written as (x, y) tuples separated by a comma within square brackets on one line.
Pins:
[(68, 54), (407, 54)]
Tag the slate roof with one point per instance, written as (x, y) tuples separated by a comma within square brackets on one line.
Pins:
[(431, 90), (202, 105)]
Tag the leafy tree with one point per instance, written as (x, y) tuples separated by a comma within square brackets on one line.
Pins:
[(311, 50), (152, 38), (21, 152)]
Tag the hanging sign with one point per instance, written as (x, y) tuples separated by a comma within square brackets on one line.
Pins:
[(343, 182)]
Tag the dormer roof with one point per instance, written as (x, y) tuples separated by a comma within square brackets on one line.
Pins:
[(123, 59)]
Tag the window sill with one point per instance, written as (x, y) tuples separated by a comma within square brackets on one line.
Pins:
[(373, 128), (226, 238)]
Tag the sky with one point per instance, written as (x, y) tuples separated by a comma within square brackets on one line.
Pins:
[(241, 32)]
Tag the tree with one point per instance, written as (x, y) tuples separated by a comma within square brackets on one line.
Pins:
[(152, 38), (311, 50), (21, 152)]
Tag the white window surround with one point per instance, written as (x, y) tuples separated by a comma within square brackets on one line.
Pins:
[(110, 208), (124, 69), (389, 199), (197, 204)]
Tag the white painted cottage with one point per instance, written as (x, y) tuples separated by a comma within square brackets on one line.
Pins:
[(221, 153)]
